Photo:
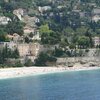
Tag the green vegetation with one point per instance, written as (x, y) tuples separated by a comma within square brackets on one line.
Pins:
[(6, 54), (15, 27), (28, 62), (43, 58)]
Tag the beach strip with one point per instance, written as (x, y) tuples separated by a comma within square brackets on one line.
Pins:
[(28, 71)]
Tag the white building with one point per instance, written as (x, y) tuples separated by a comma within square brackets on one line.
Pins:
[(44, 8), (4, 20), (36, 37), (96, 18)]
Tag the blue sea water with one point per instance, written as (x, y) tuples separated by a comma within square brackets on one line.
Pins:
[(83, 85)]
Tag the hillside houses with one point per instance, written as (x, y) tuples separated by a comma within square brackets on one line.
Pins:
[(24, 49), (44, 8), (96, 14), (35, 33), (4, 20)]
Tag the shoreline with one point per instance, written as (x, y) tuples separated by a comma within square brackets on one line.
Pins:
[(33, 71)]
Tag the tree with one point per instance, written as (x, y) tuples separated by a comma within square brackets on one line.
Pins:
[(15, 54), (1, 57), (58, 52), (31, 35), (28, 62), (64, 42), (43, 58), (83, 41), (15, 27), (7, 6), (89, 34), (72, 46), (3, 34), (18, 64), (27, 40), (2, 38), (45, 29), (82, 30), (51, 38), (68, 31)]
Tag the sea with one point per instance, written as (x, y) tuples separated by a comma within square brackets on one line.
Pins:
[(78, 85)]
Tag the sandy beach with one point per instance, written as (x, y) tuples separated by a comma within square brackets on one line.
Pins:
[(28, 71)]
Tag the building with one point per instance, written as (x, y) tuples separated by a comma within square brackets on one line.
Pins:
[(15, 38), (6, 1), (36, 36), (28, 30), (34, 49), (19, 13), (82, 14), (96, 18), (23, 49), (4, 20), (96, 41), (44, 8), (30, 50)]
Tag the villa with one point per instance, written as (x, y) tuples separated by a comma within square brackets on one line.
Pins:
[(4, 20)]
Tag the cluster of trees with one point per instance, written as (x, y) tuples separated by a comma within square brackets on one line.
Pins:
[(48, 36), (82, 37), (7, 53), (66, 23), (44, 58), (11, 28), (59, 52), (15, 27)]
